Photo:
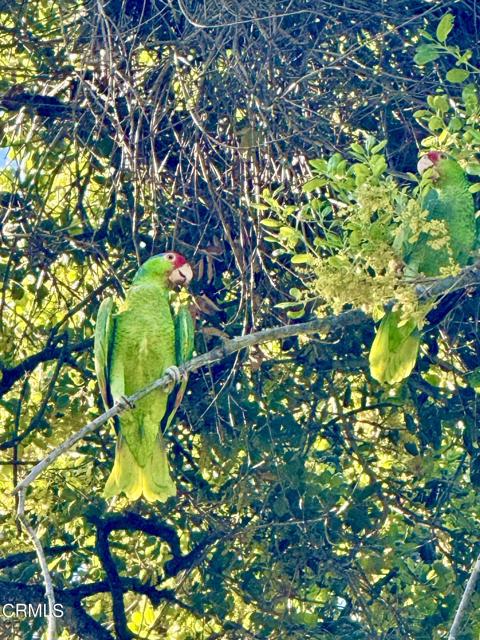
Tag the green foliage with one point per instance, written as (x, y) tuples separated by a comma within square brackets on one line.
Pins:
[(311, 505), (353, 234), (348, 236)]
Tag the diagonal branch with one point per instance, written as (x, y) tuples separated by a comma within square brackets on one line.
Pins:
[(346, 319), (430, 288), (465, 601), (349, 318), (10, 375)]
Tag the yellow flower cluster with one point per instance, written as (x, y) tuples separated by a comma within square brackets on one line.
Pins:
[(366, 271)]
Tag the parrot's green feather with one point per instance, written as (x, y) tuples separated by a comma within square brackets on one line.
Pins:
[(184, 345), (394, 351), (102, 348), (133, 347), (184, 335)]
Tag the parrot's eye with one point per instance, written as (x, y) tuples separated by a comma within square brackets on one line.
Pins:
[(170, 257)]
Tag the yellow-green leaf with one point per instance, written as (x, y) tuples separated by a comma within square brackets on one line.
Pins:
[(314, 183), (271, 223), (457, 75), (426, 53), (435, 123), (470, 98), (301, 258), (445, 26)]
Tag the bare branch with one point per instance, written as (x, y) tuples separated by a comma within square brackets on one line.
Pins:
[(435, 287), (465, 601), (47, 578), (469, 276)]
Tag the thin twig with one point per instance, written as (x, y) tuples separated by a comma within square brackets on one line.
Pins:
[(465, 601), (47, 578)]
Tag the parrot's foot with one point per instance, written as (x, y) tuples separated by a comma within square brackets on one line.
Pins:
[(124, 403), (176, 375)]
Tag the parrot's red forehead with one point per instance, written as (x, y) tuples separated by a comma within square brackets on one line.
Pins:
[(434, 156), (175, 258)]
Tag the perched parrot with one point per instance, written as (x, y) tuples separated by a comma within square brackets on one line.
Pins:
[(136, 342), (395, 348)]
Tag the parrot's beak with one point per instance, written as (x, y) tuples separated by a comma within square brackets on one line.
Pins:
[(423, 164), (182, 275)]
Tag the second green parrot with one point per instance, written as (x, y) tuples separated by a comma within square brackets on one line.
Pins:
[(395, 348), (137, 342)]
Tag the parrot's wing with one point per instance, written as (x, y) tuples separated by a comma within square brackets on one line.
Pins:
[(103, 347), (184, 346), (184, 335)]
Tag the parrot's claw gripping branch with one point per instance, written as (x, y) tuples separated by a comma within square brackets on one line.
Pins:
[(176, 374), (124, 403), (347, 318)]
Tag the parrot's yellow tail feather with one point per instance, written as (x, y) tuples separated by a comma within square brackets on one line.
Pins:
[(127, 476), (394, 351)]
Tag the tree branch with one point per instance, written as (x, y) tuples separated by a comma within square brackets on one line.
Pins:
[(346, 319), (465, 601), (27, 556), (10, 375), (47, 578), (343, 320), (75, 618), (433, 288), (130, 521), (115, 584)]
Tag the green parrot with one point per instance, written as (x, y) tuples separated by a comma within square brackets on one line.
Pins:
[(395, 348), (136, 342)]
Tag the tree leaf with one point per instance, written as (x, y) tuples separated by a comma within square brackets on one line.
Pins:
[(435, 123), (426, 53), (425, 34), (457, 75), (444, 27), (470, 98), (318, 164), (302, 258), (270, 223), (314, 183)]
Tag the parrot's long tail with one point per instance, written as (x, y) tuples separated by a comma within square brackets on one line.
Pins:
[(152, 480), (395, 349)]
